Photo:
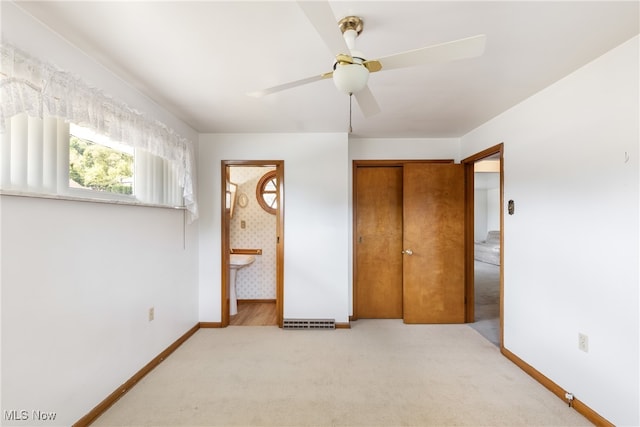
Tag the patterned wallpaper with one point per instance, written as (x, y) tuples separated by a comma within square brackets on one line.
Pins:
[(257, 281)]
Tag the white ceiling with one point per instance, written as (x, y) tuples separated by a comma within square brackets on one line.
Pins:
[(199, 59)]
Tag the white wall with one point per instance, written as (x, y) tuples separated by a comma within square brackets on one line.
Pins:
[(404, 149), (493, 209), (23, 31), (315, 214), (486, 204), (78, 278), (480, 227), (571, 249)]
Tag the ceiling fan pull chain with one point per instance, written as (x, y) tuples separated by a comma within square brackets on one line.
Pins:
[(350, 100)]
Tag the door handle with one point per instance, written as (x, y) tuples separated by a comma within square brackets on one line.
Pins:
[(407, 252)]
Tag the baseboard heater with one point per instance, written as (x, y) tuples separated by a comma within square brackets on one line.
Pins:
[(309, 324)]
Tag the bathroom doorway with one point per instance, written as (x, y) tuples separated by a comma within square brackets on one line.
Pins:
[(484, 265), (252, 243)]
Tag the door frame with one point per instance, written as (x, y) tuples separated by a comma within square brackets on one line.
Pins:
[(469, 164), (354, 214), (225, 235)]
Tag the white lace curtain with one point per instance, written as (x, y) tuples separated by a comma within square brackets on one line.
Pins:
[(34, 87)]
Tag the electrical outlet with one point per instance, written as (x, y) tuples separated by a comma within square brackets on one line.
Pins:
[(151, 314), (583, 342), (569, 398)]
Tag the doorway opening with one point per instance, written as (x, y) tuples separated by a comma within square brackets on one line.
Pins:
[(484, 242), (252, 243)]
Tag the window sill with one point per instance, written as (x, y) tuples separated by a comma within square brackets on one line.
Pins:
[(131, 202)]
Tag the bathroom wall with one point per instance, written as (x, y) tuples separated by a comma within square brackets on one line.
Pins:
[(258, 280)]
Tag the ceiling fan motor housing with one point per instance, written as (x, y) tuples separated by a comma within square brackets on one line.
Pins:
[(349, 75)]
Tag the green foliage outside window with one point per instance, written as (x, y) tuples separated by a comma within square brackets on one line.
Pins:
[(100, 168)]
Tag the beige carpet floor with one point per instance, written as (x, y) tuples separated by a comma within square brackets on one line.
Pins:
[(378, 373)]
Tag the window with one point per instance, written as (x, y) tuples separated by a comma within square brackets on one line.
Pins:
[(267, 192), (38, 104), (51, 157), (99, 164)]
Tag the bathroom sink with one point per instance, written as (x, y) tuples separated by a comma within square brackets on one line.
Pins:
[(237, 261)]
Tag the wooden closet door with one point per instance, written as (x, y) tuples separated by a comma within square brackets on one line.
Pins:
[(378, 233), (433, 278)]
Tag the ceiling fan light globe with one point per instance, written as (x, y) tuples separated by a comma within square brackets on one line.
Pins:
[(350, 78)]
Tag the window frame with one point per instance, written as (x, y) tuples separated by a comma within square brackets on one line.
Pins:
[(43, 145), (264, 181)]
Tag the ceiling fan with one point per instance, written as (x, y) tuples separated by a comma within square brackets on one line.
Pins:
[(351, 69)]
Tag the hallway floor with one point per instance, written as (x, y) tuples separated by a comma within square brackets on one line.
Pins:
[(487, 301)]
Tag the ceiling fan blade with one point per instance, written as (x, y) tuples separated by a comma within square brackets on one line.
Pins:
[(458, 49), (367, 102), (269, 91), (325, 23)]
